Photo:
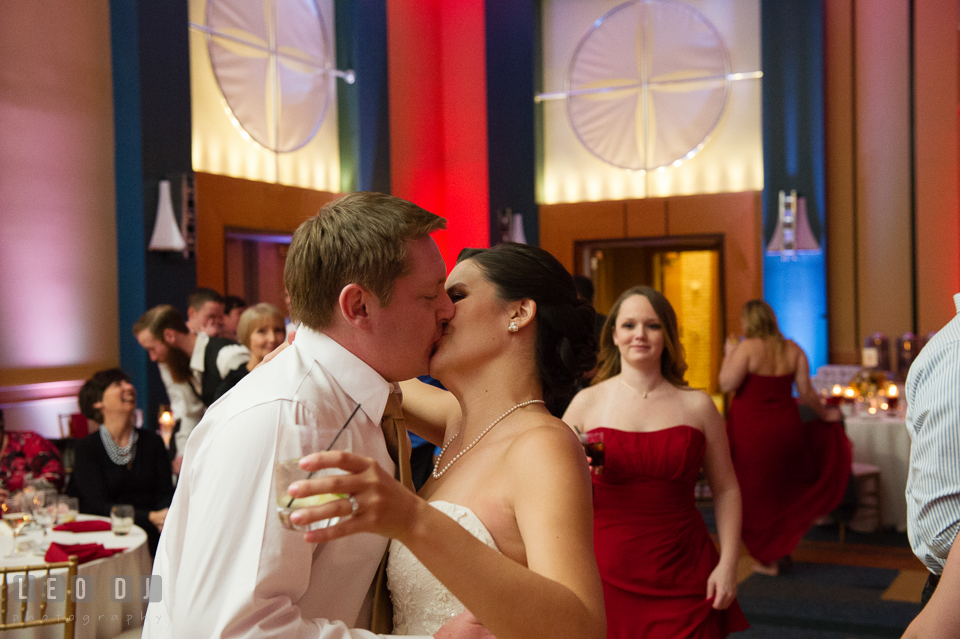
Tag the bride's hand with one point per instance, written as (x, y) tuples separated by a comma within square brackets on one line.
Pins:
[(463, 626), (383, 505)]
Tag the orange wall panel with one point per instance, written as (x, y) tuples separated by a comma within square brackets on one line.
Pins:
[(225, 202), (937, 208), (563, 224), (646, 218)]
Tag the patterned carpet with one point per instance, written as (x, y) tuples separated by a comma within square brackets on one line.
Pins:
[(866, 588), (828, 601)]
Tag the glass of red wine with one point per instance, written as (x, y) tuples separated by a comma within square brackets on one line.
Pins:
[(592, 441)]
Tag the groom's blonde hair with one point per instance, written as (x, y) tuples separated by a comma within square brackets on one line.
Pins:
[(360, 238)]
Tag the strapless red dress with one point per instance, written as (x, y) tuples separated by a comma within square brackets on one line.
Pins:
[(790, 472), (653, 548)]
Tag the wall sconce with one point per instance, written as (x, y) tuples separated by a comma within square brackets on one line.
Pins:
[(167, 234)]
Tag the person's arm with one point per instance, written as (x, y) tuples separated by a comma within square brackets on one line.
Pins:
[(808, 396), (230, 357), (940, 619), (160, 480), (45, 461), (734, 368), (558, 594), (722, 583), (428, 410)]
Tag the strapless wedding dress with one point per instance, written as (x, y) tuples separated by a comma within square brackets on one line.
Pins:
[(421, 604)]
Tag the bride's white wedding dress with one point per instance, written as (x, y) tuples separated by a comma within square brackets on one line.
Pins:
[(421, 604)]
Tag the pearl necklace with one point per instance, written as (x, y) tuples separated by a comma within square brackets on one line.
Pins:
[(436, 465)]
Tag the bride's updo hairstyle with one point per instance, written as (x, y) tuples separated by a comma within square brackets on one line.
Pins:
[(565, 344), (673, 361)]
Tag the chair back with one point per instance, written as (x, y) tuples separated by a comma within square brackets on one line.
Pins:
[(40, 570)]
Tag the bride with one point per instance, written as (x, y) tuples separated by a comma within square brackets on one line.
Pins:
[(505, 521)]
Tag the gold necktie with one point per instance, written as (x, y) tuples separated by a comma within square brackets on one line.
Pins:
[(398, 445), (397, 440)]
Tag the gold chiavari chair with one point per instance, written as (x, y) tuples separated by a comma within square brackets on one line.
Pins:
[(44, 570)]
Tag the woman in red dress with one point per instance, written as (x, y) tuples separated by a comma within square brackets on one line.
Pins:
[(662, 576), (790, 473)]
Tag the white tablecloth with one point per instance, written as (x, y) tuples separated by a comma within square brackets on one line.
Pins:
[(101, 618), (884, 442)]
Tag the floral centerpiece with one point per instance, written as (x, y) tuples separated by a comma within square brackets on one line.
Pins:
[(869, 383)]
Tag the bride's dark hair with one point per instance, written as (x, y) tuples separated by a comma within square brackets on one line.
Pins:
[(566, 344)]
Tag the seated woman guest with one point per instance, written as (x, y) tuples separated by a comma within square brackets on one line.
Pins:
[(261, 329), (120, 464), (790, 473), (662, 577), (24, 454)]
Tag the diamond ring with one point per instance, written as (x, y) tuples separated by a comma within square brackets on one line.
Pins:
[(354, 506)]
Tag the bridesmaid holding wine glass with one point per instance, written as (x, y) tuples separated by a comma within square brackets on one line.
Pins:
[(662, 576)]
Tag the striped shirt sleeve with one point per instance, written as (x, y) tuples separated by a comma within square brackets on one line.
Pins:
[(933, 420)]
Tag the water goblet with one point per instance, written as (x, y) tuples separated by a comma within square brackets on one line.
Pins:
[(45, 514), (15, 517)]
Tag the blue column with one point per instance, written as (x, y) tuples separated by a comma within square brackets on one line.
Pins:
[(363, 108), (793, 158)]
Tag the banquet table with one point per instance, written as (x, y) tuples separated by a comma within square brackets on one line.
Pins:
[(882, 440), (101, 618)]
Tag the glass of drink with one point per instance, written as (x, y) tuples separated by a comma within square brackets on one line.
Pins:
[(121, 519), (67, 509), (45, 513), (295, 442), (16, 518), (592, 441)]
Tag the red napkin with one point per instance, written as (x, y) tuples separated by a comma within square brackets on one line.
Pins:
[(84, 552), (93, 525)]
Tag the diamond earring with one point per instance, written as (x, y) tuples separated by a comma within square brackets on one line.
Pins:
[(513, 328)]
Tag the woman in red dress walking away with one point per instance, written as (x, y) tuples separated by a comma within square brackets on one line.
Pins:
[(790, 472), (662, 576)]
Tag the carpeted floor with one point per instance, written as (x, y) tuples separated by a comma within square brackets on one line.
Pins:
[(866, 588), (824, 601)]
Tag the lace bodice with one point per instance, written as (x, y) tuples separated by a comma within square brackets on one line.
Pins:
[(421, 604)]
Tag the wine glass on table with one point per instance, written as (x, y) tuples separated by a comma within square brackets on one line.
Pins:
[(45, 513), (16, 517)]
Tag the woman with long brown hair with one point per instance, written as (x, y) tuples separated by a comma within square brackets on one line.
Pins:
[(790, 473), (662, 576)]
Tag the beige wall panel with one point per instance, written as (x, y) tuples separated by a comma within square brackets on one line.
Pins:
[(562, 224), (737, 217), (883, 167), (646, 218), (937, 209), (58, 252), (844, 344)]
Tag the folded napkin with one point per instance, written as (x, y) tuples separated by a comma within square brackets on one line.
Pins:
[(93, 525), (84, 552)]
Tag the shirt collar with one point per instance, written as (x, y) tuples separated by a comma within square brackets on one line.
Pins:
[(199, 350), (956, 302), (354, 376)]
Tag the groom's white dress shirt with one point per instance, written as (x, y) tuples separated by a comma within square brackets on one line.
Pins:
[(228, 568)]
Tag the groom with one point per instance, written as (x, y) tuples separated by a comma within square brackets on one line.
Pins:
[(367, 283)]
